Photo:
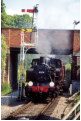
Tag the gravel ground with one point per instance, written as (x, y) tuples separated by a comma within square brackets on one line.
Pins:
[(62, 108), (9, 104)]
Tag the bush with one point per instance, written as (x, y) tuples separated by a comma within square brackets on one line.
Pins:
[(67, 75), (3, 52), (68, 72), (78, 96), (5, 88)]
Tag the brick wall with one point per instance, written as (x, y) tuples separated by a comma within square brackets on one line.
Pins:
[(76, 68), (6, 33), (76, 56), (13, 38), (76, 43)]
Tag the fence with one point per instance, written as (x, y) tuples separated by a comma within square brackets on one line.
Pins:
[(76, 114)]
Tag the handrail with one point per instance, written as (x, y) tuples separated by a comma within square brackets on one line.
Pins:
[(74, 108), (78, 114)]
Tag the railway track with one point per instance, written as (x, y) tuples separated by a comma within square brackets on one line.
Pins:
[(14, 114), (47, 111), (32, 111)]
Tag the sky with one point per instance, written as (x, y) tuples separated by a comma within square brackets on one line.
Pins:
[(53, 14)]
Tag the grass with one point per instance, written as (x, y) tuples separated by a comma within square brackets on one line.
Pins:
[(5, 89), (78, 97)]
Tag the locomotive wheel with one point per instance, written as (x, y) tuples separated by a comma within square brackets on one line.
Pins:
[(54, 95)]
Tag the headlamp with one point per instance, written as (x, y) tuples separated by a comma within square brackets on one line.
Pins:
[(51, 84), (30, 83)]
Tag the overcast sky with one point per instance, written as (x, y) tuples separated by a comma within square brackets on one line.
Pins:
[(53, 14)]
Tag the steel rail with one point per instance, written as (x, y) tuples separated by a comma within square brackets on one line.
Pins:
[(14, 114), (43, 111), (53, 102)]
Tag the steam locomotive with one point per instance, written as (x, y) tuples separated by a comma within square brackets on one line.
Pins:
[(45, 77)]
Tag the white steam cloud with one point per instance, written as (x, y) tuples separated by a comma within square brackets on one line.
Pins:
[(51, 39)]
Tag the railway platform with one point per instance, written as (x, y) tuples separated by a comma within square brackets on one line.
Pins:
[(7, 99)]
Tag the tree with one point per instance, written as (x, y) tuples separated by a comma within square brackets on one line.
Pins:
[(27, 21), (19, 21), (2, 7), (4, 18), (15, 21)]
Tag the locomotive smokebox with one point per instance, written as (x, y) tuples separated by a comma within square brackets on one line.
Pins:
[(44, 60)]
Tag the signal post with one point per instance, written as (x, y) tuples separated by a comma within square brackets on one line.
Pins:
[(24, 45)]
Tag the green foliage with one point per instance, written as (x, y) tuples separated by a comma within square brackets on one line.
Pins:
[(28, 60), (3, 52), (4, 18), (66, 59), (78, 97), (19, 21), (5, 88), (68, 73), (16, 21), (27, 63), (18, 74), (2, 6)]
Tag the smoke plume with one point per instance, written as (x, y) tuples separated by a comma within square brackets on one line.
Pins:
[(54, 39)]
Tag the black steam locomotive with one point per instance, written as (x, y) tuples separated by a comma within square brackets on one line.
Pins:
[(45, 77)]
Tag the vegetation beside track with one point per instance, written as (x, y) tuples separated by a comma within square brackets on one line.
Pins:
[(77, 99), (27, 64), (78, 96), (68, 74), (5, 88), (3, 52), (68, 71)]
